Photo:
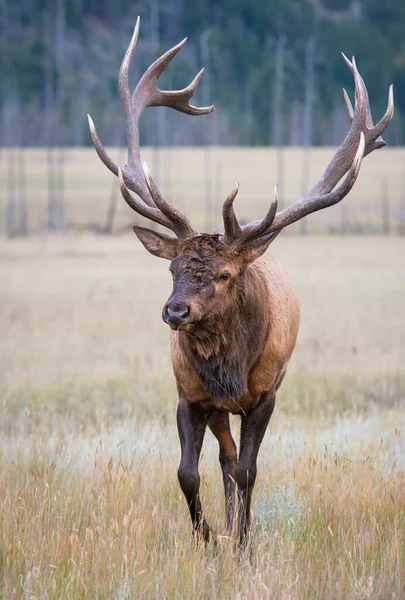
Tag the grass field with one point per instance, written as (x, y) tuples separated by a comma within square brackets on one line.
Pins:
[(376, 203), (89, 501)]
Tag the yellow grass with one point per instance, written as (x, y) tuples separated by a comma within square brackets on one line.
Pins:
[(181, 175), (89, 502)]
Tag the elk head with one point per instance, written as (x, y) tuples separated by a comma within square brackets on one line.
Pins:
[(208, 269)]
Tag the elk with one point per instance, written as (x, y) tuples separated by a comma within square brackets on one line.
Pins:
[(233, 312)]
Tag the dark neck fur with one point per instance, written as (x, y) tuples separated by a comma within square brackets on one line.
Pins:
[(224, 348)]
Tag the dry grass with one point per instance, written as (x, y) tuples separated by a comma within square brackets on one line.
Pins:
[(89, 502), (181, 175)]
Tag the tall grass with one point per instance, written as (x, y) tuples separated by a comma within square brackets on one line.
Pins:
[(101, 516)]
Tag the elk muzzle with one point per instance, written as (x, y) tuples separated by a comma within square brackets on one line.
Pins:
[(176, 314)]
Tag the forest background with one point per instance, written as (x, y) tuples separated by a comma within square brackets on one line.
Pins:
[(274, 69)]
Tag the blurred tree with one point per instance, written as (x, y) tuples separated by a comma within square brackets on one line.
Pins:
[(69, 67)]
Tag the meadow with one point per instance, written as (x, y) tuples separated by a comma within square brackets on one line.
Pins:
[(89, 501)]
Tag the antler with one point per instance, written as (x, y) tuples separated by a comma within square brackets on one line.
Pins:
[(235, 235), (362, 138), (132, 175)]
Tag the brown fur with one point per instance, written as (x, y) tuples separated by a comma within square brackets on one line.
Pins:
[(256, 335), (236, 318)]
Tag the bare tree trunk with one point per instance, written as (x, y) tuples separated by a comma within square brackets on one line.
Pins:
[(82, 103), (8, 118), (248, 112), (20, 170), (22, 192), (4, 68), (401, 223), (10, 216), (385, 208), (308, 117), (49, 121), (207, 135), (114, 192), (296, 133), (160, 116), (83, 90), (278, 120), (54, 34), (59, 105)]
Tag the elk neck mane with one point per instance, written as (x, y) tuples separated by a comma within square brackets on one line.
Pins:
[(224, 348)]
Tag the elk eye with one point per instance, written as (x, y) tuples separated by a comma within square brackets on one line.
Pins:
[(225, 276)]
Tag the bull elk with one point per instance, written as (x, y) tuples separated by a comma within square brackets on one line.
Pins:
[(234, 313)]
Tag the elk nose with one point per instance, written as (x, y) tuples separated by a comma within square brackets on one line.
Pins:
[(178, 315)]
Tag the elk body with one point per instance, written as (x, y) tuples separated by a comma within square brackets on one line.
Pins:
[(233, 311)]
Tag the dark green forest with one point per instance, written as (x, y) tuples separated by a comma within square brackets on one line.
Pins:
[(274, 68)]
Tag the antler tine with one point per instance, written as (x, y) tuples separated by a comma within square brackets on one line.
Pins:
[(105, 158), (361, 120), (362, 103), (364, 112), (252, 231), (147, 92), (131, 125), (231, 223), (150, 212), (235, 235), (180, 99), (383, 122), (348, 104), (180, 224)]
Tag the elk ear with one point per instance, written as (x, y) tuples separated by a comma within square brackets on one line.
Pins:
[(251, 251), (156, 243)]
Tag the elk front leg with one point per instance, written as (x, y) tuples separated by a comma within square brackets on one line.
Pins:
[(219, 425), (253, 428), (191, 424)]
